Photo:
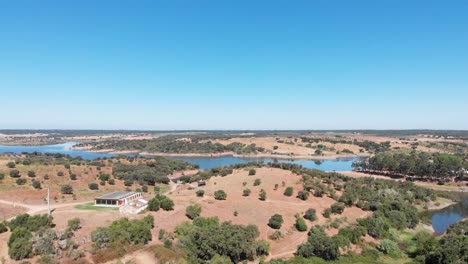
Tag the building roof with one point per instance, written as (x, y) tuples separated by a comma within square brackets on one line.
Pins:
[(115, 195)]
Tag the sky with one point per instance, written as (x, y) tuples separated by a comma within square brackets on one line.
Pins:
[(221, 64)]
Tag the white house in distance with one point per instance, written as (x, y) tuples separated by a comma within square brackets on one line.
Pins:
[(128, 202)]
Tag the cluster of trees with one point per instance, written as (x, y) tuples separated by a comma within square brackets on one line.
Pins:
[(172, 144), (206, 239), (423, 165), (123, 232), (160, 201), (20, 243), (151, 172)]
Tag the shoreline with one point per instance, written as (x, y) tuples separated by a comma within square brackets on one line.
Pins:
[(223, 154)]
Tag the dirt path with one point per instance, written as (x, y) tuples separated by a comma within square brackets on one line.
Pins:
[(35, 209)]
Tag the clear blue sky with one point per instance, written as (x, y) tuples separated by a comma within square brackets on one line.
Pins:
[(224, 64)]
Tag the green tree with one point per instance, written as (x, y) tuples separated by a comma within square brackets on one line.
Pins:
[(263, 195), (220, 195), (200, 193), (252, 172), (153, 205), (310, 215), (289, 191), (31, 174), (93, 186), (300, 225), (276, 221), (67, 189), (193, 211), (246, 192)]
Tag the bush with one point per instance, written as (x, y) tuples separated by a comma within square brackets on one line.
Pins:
[(60, 174), (67, 189), (310, 215), (276, 221), (200, 193), (167, 204), (300, 225), (390, 248), (289, 191), (73, 177), (21, 181), (320, 245), (36, 185), (153, 205), (252, 172), (337, 208), (257, 182), (93, 186), (2, 176), (263, 195), (193, 211), (206, 237), (220, 195), (15, 173), (276, 235), (111, 182), (303, 195), (104, 177), (31, 174), (246, 192), (74, 224), (327, 213), (3, 228), (11, 165)]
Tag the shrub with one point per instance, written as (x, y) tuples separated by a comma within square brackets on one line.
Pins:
[(31, 174), (200, 193), (111, 182), (167, 204), (193, 211), (2, 176), (104, 177), (327, 213), (3, 228), (337, 208), (11, 165), (303, 195), (276, 235), (300, 224), (310, 215), (46, 177), (67, 189), (20, 244), (252, 172), (390, 248), (60, 174), (93, 186), (257, 182), (246, 192), (276, 187), (289, 191), (36, 185), (21, 181), (15, 173), (74, 224), (153, 205), (144, 188), (320, 245), (263, 195), (73, 176), (276, 221), (220, 195)]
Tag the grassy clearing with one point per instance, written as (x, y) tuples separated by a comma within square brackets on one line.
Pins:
[(91, 206)]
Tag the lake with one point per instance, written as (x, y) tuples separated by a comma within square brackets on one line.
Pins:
[(203, 162), (443, 218)]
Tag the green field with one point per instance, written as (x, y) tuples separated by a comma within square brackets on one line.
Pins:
[(91, 206)]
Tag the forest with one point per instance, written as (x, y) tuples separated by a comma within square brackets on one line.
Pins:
[(416, 165)]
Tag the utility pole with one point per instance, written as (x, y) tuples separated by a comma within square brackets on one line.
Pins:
[(48, 201)]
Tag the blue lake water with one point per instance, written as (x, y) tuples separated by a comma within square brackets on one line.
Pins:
[(442, 219), (203, 162)]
